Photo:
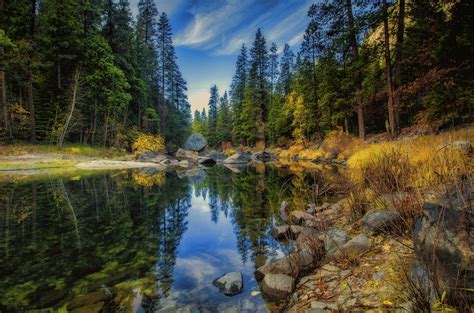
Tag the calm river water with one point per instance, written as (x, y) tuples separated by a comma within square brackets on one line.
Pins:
[(141, 241)]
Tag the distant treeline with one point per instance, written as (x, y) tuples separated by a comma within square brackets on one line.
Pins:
[(364, 66), (87, 71)]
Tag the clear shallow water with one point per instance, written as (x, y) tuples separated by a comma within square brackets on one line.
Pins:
[(148, 241)]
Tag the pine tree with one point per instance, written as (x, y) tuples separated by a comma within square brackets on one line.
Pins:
[(286, 71), (237, 93), (224, 120), (212, 116), (256, 96)]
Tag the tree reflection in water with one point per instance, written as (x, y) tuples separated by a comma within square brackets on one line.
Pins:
[(119, 232)]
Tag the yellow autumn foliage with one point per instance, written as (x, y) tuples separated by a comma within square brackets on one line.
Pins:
[(148, 143), (146, 180)]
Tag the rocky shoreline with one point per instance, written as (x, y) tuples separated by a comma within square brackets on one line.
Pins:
[(360, 265)]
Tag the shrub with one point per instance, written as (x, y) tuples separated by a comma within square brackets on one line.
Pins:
[(148, 143)]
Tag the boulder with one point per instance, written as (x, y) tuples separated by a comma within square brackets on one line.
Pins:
[(182, 154), (375, 221), (229, 284), (444, 245), (196, 142), (291, 265), (299, 217), (281, 232), (308, 241), (278, 286), (151, 157), (238, 158), (351, 249)]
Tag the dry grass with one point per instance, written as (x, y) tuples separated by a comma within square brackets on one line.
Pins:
[(337, 144), (421, 161)]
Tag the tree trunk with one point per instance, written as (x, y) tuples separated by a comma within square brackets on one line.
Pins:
[(73, 104), (4, 99), (355, 59), (94, 125), (106, 127), (31, 106), (388, 67), (398, 58)]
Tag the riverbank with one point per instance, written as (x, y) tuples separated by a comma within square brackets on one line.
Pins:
[(398, 239)]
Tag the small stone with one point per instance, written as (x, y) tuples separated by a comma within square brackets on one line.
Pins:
[(318, 305)]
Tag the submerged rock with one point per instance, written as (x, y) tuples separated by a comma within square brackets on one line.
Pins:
[(278, 286), (196, 142), (229, 284), (375, 221)]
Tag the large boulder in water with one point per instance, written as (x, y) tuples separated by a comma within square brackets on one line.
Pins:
[(229, 284), (196, 142)]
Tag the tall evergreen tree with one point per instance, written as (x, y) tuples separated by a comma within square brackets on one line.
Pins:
[(239, 82), (255, 105), (212, 116)]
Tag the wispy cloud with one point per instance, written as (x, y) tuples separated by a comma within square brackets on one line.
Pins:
[(222, 26)]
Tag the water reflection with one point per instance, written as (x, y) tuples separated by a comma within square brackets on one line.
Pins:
[(139, 240)]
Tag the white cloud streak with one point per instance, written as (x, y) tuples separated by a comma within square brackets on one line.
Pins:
[(221, 27)]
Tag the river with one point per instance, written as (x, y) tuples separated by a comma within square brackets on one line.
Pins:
[(143, 241)]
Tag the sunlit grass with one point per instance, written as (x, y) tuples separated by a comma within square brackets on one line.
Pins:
[(69, 149), (428, 162)]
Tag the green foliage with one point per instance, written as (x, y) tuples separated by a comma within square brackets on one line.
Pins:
[(129, 75)]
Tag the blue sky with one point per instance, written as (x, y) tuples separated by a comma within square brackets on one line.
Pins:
[(209, 33)]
